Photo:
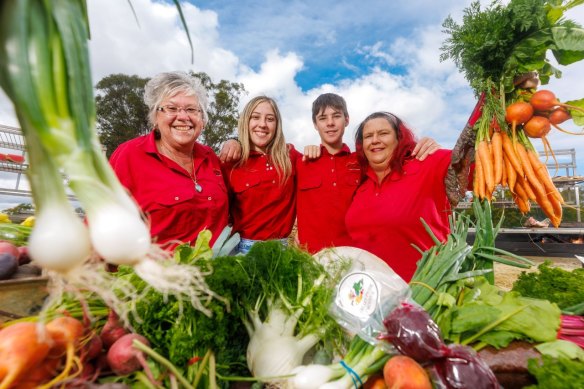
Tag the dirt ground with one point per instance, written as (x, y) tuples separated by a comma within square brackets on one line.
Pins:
[(506, 275)]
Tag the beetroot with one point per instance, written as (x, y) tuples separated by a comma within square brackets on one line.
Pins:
[(112, 330), (92, 348), (123, 358), (463, 368), (411, 330)]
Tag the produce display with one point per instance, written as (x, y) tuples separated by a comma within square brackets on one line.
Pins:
[(502, 51), (198, 317)]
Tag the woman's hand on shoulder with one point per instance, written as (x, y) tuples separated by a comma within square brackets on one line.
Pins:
[(311, 152), (426, 146), (231, 151)]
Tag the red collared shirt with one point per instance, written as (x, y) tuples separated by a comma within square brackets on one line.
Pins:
[(325, 190), (262, 208), (166, 192), (385, 219)]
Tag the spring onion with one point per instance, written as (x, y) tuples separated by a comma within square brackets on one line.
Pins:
[(44, 70)]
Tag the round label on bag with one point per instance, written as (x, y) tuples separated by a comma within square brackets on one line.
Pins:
[(357, 295)]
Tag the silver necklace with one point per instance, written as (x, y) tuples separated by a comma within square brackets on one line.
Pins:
[(193, 176), (198, 187)]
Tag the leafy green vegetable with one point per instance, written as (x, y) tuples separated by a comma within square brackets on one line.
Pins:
[(486, 314), (561, 349), (502, 41), (563, 287), (560, 373)]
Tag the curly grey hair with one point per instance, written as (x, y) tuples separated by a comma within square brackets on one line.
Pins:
[(169, 84)]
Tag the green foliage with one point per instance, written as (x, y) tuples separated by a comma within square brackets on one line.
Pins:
[(563, 287), (501, 41), (484, 313), (223, 110), (268, 273), (122, 114), (556, 373)]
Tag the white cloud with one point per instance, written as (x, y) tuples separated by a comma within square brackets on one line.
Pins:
[(432, 96)]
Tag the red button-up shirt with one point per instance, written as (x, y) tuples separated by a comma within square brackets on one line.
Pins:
[(166, 192), (325, 190), (385, 219), (262, 208)]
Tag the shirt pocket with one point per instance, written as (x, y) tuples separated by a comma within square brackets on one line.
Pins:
[(353, 177), (311, 182), (173, 197), (242, 184)]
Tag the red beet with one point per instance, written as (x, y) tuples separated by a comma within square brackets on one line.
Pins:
[(463, 368), (411, 330), (112, 330), (123, 358)]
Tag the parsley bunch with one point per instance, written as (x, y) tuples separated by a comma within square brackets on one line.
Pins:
[(565, 288)]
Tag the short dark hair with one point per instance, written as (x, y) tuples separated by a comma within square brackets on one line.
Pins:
[(405, 137), (328, 100)]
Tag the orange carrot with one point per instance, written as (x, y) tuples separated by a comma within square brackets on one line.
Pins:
[(526, 188), (522, 194), (479, 177), (22, 349), (497, 148), (530, 175), (511, 174), (557, 207), (541, 171), (503, 170), (509, 150), (521, 204), (66, 333), (487, 164)]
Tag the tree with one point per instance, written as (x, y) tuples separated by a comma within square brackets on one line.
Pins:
[(122, 114), (223, 110)]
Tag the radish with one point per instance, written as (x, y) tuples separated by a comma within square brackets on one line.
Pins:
[(7, 247), (545, 100), (112, 330), (537, 127), (123, 358)]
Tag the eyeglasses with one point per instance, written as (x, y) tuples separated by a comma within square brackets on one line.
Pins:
[(172, 111)]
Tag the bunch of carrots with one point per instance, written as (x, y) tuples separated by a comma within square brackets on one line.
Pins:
[(36, 355), (504, 154)]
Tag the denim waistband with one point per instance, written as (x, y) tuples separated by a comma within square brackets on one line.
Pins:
[(245, 244)]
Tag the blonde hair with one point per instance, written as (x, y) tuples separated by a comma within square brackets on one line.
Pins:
[(277, 150)]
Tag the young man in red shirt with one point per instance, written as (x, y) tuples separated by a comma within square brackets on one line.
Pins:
[(326, 184)]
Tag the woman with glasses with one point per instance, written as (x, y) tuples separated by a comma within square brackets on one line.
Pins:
[(396, 191), (262, 183), (176, 181)]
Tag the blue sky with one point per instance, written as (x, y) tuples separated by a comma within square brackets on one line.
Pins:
[(378, 54)]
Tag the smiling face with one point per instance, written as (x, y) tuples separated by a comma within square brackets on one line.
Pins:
[(179, 131), (330, 124), (262, 126), (379, 142)]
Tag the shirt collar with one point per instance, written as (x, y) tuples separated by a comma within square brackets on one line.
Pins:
[(344, 150)]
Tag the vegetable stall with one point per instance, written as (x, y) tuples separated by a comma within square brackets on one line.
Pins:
[(277, 316)]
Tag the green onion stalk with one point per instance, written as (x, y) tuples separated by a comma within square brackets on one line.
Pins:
[(45, 71)]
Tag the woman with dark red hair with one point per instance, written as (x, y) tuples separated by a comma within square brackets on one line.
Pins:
[(396, 191)]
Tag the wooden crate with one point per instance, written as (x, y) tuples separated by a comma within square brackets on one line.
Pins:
[(21, 297)]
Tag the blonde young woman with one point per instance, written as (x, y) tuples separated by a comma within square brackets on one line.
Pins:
[(262, 183)]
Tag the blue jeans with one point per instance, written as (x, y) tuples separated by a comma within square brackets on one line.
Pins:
[(245, 244)]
